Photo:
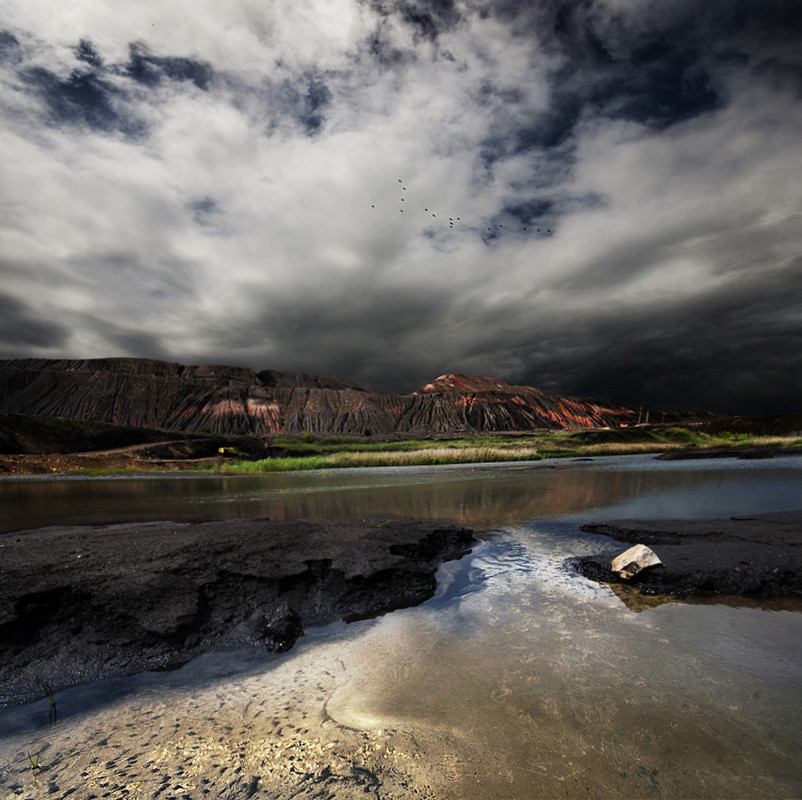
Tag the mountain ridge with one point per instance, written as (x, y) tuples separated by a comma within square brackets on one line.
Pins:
[(225, 399)]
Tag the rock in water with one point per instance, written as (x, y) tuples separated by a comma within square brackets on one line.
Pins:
[(632, 561)]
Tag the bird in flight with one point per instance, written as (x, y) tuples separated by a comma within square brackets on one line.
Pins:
[(496, 229)]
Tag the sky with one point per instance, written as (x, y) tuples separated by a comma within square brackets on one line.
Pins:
[(599, 198)]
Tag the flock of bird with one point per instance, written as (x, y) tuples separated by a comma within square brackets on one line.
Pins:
[(451, 220)]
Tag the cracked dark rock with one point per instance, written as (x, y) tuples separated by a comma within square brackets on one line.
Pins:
[(757, 556), (84, 603)]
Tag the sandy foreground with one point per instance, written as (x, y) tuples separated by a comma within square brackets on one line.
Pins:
[(333, 717), (82, 606), (286, 730)]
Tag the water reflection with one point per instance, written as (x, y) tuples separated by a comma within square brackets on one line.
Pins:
[(481, 497), (552, 689), (635, 600)]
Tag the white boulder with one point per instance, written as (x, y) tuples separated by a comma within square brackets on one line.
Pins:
[(632, 561)]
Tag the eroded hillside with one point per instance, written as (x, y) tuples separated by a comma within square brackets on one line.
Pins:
[(227, 400)]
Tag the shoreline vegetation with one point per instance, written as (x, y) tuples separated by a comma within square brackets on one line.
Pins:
[(340, 453), (298, 454), (68, 448)]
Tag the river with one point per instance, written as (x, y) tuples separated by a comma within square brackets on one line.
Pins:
[(519, 680)]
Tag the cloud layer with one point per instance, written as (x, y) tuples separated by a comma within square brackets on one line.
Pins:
[(597, 197)]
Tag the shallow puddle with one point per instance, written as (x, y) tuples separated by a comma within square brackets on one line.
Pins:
[(520, 680)]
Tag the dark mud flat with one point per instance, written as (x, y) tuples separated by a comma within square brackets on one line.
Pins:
[(756, 452), (758, 557), (84, 603)]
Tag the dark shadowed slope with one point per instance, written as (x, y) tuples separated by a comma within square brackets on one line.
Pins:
[(222, 399)]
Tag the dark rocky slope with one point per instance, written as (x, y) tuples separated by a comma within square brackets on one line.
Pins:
[(24, 433), (227, 400)]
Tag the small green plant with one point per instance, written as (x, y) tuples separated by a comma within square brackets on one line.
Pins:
[(53, 715), (307, 437), (34, 764)]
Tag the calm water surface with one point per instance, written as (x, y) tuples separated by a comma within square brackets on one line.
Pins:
[(519, 680), (479, 496)]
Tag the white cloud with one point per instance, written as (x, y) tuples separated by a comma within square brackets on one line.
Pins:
[(263, 191)]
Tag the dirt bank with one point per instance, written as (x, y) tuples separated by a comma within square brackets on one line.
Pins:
[(83, 603), (757, 556), (752, 452)]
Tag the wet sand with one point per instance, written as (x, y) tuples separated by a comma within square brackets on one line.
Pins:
[(281, 731), (535, 683), (409, 707)]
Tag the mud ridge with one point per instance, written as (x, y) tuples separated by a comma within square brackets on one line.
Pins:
[(84, 603)]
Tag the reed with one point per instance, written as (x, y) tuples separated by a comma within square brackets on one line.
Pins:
[(53, 715), (346, 452)]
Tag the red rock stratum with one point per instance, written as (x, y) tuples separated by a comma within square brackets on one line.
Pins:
[(226, 400)]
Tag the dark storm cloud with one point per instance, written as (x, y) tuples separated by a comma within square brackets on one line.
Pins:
[(312, 103), (327, 330), (130, 340), (84, 98), (109, 97), (10, 50), (575, 36), (550, 128), (714, 371), (625, 260), (21, 327), (383, 51), (660, 87), (593, 31), (121, 338), (781, 74), (664, 71), (529, 210), (151, 70), (538, 217), (88, 96), (427, 20), (649, 79), (86, 52), (431, 18), (517, 128), (740, 352)]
